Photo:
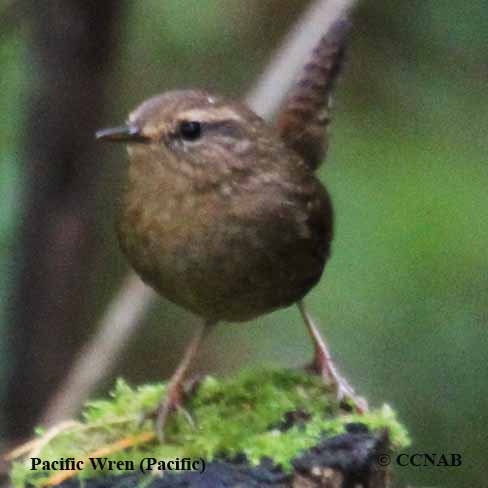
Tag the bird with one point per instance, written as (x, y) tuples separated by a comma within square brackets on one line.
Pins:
[(223, 214)]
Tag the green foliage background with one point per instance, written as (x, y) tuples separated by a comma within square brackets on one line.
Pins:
[(403, 300)]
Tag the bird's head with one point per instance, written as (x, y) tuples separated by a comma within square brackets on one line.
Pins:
[(194, 133)]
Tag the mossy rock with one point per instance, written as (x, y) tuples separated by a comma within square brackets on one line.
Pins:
[(274, 415)]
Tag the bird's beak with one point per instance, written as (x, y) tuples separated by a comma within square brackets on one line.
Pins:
[(127, 133)]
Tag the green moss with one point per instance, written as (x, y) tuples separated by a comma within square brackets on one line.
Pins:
[(237, 415)]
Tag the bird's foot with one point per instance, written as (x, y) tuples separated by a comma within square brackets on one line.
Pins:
[(172, 401), (177, 394), (323, 366)]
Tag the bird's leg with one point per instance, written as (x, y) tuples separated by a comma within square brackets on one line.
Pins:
[(175, 392), (324, 366)]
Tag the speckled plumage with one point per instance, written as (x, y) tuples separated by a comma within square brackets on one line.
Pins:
[(230, 226), (223, 215)]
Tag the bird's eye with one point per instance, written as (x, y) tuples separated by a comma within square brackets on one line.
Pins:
[(190, 130)]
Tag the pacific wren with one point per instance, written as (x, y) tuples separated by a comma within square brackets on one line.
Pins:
[(223, 214)]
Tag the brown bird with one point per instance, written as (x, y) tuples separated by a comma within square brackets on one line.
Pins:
[(223, 214)]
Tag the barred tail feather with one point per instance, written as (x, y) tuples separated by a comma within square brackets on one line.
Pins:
[(306, 113)]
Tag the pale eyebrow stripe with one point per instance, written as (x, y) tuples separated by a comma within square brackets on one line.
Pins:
[(210, 115), (225, 127)]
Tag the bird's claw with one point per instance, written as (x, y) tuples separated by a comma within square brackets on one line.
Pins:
[(347, 398), (344, 392), (174, 400)]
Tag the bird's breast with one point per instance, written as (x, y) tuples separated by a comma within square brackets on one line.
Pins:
[(221, 255)]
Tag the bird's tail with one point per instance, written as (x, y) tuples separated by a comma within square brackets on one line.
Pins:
[(305, 115)]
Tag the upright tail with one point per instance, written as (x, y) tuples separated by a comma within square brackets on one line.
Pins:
[(305, 115)]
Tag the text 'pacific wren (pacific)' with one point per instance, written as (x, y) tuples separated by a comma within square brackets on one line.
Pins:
[(223, 214)]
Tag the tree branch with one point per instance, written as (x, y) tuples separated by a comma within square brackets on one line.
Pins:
[(70, 44)]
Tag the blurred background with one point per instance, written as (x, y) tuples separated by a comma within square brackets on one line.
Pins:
[(403, 300)]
